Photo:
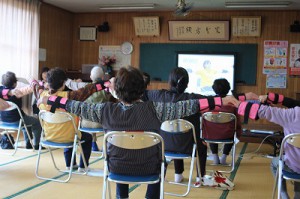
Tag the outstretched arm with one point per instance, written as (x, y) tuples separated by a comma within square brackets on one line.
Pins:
[(180, 109), (275, 98), (83, 93), (75, 85)]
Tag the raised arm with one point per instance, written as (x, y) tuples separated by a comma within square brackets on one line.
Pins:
[(89, 111), (180, 109), (281, 116), (74, 85), (275, 98), (83, 93)]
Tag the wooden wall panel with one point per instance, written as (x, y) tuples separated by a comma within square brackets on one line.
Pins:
[(275, 26), (56, 27)]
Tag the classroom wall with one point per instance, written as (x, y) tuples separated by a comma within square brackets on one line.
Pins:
[(275, 26), (56, 28)]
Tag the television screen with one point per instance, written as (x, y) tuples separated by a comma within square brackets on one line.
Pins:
[(204, 68)]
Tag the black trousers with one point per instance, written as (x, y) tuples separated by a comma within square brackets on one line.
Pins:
[(226, 149), (202, 152)]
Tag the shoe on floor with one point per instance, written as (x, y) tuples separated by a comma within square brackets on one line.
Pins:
[(198, 182), (36, 147), (75, 167), (178, 178), (82, 170), (28, 145)]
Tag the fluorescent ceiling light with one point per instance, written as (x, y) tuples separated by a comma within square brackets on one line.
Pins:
[(127, 6), (257, 4)]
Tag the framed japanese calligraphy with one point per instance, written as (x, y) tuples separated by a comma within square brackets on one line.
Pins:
[(244, 26), (87, 33), (146, 26), (199, 30)]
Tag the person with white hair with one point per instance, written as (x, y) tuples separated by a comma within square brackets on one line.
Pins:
[(97, 75)]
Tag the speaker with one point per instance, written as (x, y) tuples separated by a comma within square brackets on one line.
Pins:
[(104, 27), (295, 27)]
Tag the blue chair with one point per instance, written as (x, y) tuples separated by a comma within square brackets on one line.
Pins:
[(211, 136), (58, 118), (92, 128), (15, 127), (130, 142), (94, 131), (180, 143), (294, 140)]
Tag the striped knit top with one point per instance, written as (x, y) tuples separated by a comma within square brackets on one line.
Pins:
[(141, 116)]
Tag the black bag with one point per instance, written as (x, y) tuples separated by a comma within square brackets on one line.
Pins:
[(5, 143)]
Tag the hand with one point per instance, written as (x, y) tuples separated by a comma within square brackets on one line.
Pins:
[(231, 101), (251, 96), (111, 87), (42, 100), (3, 104), (78, 80), (263, 98)]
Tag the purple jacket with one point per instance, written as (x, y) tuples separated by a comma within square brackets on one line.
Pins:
[(289, 119)]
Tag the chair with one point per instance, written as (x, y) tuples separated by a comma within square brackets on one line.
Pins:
[(180, 143), (93, 132), (294, 140), (130, 143), (210, 136), (15, 127), (58, 118)]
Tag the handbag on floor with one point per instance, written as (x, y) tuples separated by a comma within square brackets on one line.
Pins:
[(5, 143)]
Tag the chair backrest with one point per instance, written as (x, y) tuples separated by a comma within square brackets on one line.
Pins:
[(58, 118), (222, 118), (133, 140), (292, 139), (55, 118), (129, 147), (179, 135), (14, 107)]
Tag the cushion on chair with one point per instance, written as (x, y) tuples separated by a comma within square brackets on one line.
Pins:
[(133, 179), (9, 125), (10, 116), (137, 162), (290, 174), (56, 144), (219, 131), (178, 142)]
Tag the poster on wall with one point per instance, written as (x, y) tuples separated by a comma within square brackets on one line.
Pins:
[(276, 81), (275, 57), (122, 60), (294, 69)]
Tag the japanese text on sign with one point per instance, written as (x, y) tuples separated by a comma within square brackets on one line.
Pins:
[(198, 30), (146, 26)]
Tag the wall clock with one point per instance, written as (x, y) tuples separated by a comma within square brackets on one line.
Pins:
[(126, 48)]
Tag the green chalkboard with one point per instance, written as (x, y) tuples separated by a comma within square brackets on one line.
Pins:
[(158, 59)]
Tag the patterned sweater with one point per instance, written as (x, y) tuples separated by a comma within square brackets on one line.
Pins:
[(141, 116)]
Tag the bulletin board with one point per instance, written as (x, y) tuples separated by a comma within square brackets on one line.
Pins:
[(122, 60)]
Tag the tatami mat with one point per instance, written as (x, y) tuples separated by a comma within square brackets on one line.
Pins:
[(253, 178)]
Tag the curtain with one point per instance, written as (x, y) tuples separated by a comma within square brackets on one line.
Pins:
[(19, 37)]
